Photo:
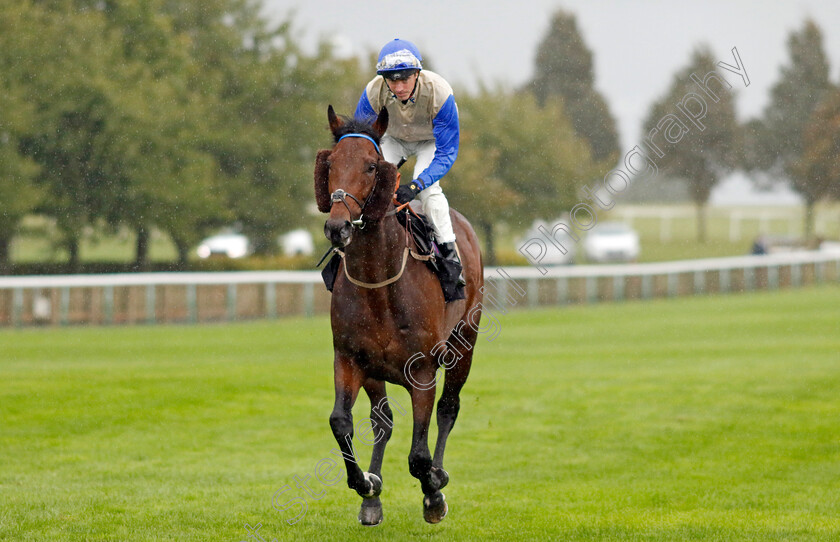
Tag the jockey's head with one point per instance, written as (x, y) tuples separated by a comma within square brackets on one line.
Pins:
[(399, 63)]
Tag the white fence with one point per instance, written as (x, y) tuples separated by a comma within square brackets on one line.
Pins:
[(205, 297)]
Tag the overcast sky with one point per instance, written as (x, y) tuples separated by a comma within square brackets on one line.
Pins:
[(638, 45)]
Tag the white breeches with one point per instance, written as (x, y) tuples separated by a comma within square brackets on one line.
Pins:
[(432, 199)]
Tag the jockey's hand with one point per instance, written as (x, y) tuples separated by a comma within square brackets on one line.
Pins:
[(407, 192)]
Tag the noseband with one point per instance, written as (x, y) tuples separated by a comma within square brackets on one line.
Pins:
[(340, 194)]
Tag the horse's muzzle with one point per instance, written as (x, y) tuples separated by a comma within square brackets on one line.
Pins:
[(338, 231)]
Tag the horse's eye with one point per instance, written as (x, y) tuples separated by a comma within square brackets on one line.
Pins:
[(329, 164), (371, 167)]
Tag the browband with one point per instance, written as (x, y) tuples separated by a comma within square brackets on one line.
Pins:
[(365, 137)]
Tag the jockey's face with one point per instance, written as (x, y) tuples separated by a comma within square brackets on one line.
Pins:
[(403, 88)]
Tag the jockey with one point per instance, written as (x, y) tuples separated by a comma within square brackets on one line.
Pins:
[(423, 122)]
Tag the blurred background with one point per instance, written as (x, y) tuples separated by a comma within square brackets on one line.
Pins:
[(151, 135)]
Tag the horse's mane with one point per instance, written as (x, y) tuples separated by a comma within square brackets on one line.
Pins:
[(355, 126)]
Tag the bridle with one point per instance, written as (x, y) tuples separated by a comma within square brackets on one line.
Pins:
[(341, 195)]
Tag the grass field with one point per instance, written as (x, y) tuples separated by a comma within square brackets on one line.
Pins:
[(712, 418)]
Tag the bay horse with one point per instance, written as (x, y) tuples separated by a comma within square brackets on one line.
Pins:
[(389, 319)]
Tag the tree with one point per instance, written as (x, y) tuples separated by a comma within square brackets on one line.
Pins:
[(699, 150), (18, 194), (774, 143), (475, 190), (142, 114), (817, 172), (516, 162), (564, 67), (266, 104), (70, 135), (127, 112), (169, 182), (271, 109)]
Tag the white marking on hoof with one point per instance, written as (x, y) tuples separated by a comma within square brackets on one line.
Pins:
[(375, 485), (426, 511)]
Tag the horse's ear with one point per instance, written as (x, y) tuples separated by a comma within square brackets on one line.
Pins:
[(322, 180), (335, 120), (381, 123), (383, 191)]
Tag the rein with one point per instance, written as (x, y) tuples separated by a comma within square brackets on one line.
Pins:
[(386, 282)]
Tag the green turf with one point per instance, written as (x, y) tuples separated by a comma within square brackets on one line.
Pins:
[(712, 418)]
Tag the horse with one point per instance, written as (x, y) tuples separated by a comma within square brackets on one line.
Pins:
[(388, 316)]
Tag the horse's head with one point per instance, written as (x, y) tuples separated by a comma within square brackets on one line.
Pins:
[(353, 182)]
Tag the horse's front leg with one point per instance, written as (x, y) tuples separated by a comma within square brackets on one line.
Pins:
[(419, 459), (381, 420), (348, 380)]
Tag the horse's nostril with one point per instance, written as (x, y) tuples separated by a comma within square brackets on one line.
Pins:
[(338, 231)]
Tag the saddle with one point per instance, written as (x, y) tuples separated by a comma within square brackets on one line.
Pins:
[(421, 231)]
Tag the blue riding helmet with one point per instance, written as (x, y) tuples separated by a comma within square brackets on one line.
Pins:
[(398, 59)]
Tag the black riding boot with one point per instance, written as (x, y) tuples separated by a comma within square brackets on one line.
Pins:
[(450, 272)]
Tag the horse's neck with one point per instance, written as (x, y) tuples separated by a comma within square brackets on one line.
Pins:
[(375, 253)]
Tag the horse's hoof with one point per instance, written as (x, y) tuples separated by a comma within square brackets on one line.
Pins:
[(371, 512), (435, 508), (440, 477), (375, 485)]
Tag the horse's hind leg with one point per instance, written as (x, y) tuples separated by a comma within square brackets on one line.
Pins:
[(348, 380), (448, 406), (382, 421), (419, 459)]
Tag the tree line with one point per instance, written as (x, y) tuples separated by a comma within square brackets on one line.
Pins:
[(796, 138), (181, 116), (186, 116)]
